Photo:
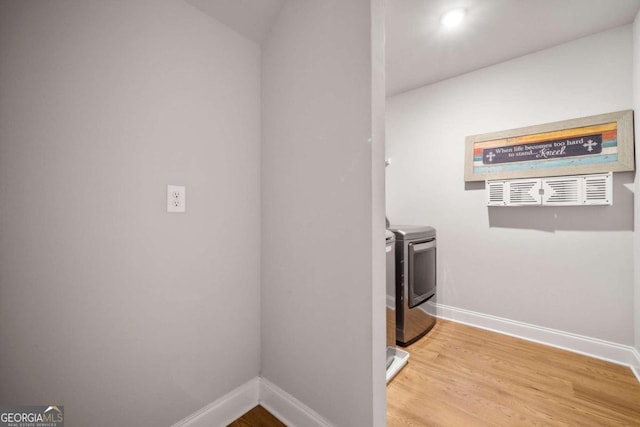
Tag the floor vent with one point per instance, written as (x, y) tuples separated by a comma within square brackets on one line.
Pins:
[(576, 190)]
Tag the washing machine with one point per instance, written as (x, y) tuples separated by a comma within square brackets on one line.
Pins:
[(415, 281)]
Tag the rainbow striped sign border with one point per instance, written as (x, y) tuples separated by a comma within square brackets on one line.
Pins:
[(594, 144)]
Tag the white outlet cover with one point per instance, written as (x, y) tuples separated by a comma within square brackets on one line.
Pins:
[(176, 198)]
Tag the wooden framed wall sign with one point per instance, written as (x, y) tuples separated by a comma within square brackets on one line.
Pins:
[(594, 144)]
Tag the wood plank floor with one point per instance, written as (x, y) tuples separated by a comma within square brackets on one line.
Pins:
[(257, 417), (463, 376)]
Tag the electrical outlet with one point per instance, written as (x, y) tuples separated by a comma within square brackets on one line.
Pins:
[(176, 198)]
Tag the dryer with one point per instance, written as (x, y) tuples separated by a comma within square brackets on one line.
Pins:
[(415, 281)]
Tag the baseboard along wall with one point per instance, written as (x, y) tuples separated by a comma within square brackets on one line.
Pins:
[(226, 409), (258, 391), (593, 347), (292, 412)]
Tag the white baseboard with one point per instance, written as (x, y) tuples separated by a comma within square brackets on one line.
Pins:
[(635, 367), (391, 302), (292, 412), (227, 409), (287, 408), (600, 349), (258, 391)]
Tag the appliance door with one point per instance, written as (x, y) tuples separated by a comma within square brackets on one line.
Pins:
[(422, 271)]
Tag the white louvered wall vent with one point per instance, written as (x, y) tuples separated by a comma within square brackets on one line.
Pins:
[(576, 190)]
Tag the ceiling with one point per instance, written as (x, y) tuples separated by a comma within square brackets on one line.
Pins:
[(420, 51), (251, 18)]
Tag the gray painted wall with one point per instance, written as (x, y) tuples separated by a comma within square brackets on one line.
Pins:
[(378, 228), (121, 312), (564, 268), (319, 284), (636, 107)]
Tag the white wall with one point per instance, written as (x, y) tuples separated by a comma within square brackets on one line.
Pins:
[(378, 228), (636, 107), (110, 306), (564, 268), (318, 196)]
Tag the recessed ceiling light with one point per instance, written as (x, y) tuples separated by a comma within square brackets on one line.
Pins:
[(453, 18)]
